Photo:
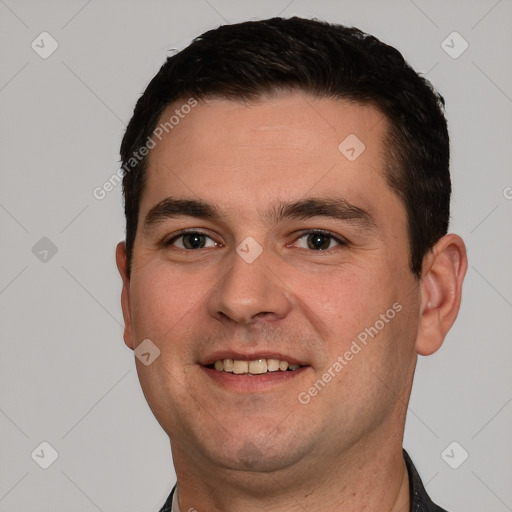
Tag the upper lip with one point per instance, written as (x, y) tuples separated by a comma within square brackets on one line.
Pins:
[(246, 356)]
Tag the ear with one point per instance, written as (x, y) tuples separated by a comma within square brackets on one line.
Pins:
[(443, 272), (122, 266)]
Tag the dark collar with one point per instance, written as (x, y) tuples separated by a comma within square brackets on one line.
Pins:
[(420, 501)]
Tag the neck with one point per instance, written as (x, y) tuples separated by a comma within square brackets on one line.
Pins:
[(368, 478)]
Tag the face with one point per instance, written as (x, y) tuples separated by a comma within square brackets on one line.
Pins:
[(262, 239)]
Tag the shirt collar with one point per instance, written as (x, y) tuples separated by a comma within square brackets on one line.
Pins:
[(420, 500)]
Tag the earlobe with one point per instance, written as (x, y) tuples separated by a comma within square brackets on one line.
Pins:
[(122, 266), (444, 269)]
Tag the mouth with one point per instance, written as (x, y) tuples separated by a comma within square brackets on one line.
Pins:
[(253, 367), (256, 372)]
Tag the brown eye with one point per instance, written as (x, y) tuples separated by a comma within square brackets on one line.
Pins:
[(191, 241), (319, 241)]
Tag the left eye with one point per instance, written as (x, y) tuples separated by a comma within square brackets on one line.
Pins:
[(318, 241), (192, 240)]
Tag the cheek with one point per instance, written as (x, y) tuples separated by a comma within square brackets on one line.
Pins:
[(161, 300), (347, 300), (369, 315)]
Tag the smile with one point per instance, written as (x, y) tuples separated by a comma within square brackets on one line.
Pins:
[(254, 367)]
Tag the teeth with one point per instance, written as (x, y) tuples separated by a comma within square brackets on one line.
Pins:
[(240, 366), (258, 366), (272, 365), (255, 367)]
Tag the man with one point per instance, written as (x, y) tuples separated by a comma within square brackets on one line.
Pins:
[(287, 198)]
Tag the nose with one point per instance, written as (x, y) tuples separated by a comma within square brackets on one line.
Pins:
[(247, 291)]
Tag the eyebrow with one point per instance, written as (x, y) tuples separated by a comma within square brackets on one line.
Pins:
[(335, 208)]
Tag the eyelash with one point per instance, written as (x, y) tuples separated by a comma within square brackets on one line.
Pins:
[(340, 240)]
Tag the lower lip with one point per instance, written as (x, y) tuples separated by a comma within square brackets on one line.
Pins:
[(252, 383)]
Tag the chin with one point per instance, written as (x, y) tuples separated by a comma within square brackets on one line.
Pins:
[(257, 454), (250, 458)]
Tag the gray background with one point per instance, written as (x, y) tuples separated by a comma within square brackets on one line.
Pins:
[(66, 376)]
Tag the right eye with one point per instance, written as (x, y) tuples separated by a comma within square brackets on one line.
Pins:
[(191, 240)]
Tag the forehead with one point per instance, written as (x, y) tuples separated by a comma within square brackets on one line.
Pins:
[(245, 155)]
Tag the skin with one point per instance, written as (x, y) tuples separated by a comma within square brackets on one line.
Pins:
[(249, 448)]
